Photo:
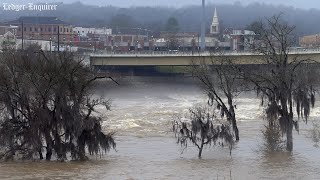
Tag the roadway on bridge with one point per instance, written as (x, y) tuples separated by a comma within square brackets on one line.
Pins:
[(186, 59)]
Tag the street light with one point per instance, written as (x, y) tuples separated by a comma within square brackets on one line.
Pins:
[(50, 44), (22, 33), (203, 45)]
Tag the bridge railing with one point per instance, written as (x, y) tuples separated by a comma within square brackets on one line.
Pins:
[(168, 53), (195, 53)]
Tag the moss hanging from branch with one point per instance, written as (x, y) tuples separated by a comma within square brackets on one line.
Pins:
[(202, 129), (48, 107)]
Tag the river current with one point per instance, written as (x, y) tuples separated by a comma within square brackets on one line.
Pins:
[(141, 113)]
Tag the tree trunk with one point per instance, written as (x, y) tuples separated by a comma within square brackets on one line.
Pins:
[(49, 152), (288, 118), (235, 128), (200, 152), (289, 135), (49, 145), (58, 146), (233, 117), (200, 149), (40, 154), (82, 153), (81, 147)]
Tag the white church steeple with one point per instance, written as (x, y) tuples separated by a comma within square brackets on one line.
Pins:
[(214, 28)]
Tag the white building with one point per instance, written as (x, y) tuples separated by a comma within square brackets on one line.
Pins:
[(8, 40), (187, 43), (103, 31), (242, 40), (45, 45), (214, 28), (83, 32)]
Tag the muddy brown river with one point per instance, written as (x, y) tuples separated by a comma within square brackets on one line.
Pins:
[(142, 109)]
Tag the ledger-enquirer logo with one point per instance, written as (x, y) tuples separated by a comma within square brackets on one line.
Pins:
[(29, 7)]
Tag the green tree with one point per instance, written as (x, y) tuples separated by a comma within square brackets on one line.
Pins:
[(254, 26), (172, 25), (122, 21)]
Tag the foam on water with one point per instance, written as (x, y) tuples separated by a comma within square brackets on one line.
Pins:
[(143, 106), (141, 115)]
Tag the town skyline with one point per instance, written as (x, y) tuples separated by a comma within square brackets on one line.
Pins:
[(124, 33), (312, 4)]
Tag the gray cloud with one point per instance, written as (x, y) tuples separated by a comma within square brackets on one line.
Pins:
[(305, 4)]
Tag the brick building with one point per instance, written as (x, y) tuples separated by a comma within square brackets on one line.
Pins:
[(310, 41), (4, 29), (126, 42), (43, 28)]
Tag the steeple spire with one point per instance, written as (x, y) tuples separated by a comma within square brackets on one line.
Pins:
[(214, 29), (215, 12)]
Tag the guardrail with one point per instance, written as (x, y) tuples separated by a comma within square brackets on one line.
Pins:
[(190, 53)]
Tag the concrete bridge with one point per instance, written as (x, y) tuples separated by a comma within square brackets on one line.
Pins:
[(185, 59)]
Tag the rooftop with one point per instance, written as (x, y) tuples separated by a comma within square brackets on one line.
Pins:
[(38, 20)]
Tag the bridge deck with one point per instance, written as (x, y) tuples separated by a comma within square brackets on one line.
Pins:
[(185, 59)]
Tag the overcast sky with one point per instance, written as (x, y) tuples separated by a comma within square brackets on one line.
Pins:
[(305, 4)]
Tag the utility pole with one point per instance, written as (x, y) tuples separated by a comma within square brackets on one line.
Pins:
[(203, 27), (50, 44), (22, 29), (58, 39)]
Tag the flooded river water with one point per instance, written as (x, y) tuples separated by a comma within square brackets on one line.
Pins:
[(142, 109)]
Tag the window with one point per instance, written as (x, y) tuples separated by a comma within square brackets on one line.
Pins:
[(67, 30), (49, 29), (24, 29), (30, 28), (41, 29)]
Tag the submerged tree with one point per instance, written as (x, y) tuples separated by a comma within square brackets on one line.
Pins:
[(221, 82), (203, 128), (315, 134), (283, 81), (273, 140), (47, 107)]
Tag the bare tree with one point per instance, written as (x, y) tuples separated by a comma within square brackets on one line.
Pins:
[(172, 42), (202, 129), (284, 81), (47, 107), (222, 82)]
